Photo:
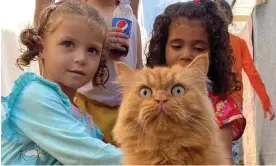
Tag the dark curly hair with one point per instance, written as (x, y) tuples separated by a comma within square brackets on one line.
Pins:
[(209, 14), (226, 8), (50, 17)]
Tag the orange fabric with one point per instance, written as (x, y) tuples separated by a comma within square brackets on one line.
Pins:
[(245, 61)]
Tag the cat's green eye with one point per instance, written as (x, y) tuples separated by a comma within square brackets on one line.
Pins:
[(145, 93), (178, 90)]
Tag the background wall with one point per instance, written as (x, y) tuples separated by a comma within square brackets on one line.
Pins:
[(11, 25), (264, 41)]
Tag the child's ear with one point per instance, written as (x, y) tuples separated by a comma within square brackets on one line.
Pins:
[(124, 72), (200, 64)]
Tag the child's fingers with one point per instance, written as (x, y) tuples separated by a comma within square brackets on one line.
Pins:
[(271, 113), (117, 47), (117, 34), (272, 116), (265, 112), (118, 41), (115, 29)]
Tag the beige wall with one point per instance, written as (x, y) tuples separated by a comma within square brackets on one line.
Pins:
[(249, 137)]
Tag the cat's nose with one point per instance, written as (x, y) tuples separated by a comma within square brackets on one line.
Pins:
[(161, 98), (161, 101)]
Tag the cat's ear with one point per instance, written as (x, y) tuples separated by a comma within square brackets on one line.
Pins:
[(200, 63), (124, 72)]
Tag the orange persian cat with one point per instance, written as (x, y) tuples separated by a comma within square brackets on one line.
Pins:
[(166, 117)]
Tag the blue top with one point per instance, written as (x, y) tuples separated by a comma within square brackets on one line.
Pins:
[(40, 126)]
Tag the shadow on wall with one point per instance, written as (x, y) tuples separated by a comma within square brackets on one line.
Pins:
[(10, 51)]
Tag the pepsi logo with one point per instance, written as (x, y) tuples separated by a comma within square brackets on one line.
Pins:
[(122, 24)]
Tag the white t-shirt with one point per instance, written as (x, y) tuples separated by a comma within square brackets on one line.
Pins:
[(111, 94)]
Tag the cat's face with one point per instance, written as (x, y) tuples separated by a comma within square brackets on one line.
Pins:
[(162, 98)]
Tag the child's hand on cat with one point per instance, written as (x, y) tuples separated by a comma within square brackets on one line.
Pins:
[(271, 113)]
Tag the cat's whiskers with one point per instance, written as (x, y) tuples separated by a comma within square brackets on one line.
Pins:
[(177, 129), (149, 113), (191, 113), (194, 141), (143, 130), (180, 115), (205, 128), (138, 139), (130, 124), (197, 116), (193, 125)]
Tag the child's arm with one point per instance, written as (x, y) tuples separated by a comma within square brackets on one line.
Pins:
[(39, 6), (254, 77), (43, 117), (135, 7), (227, 112)]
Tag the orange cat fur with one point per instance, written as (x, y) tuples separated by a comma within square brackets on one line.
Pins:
[(166, 117)]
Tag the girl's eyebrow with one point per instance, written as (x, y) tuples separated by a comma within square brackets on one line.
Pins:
[(92, 44), (176, 40), (193, 41), (68, 37), (200, 41)]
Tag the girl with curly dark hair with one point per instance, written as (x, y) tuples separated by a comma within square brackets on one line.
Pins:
[(188, 29)]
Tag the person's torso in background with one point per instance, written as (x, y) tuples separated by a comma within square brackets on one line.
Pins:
[(110, 95)]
